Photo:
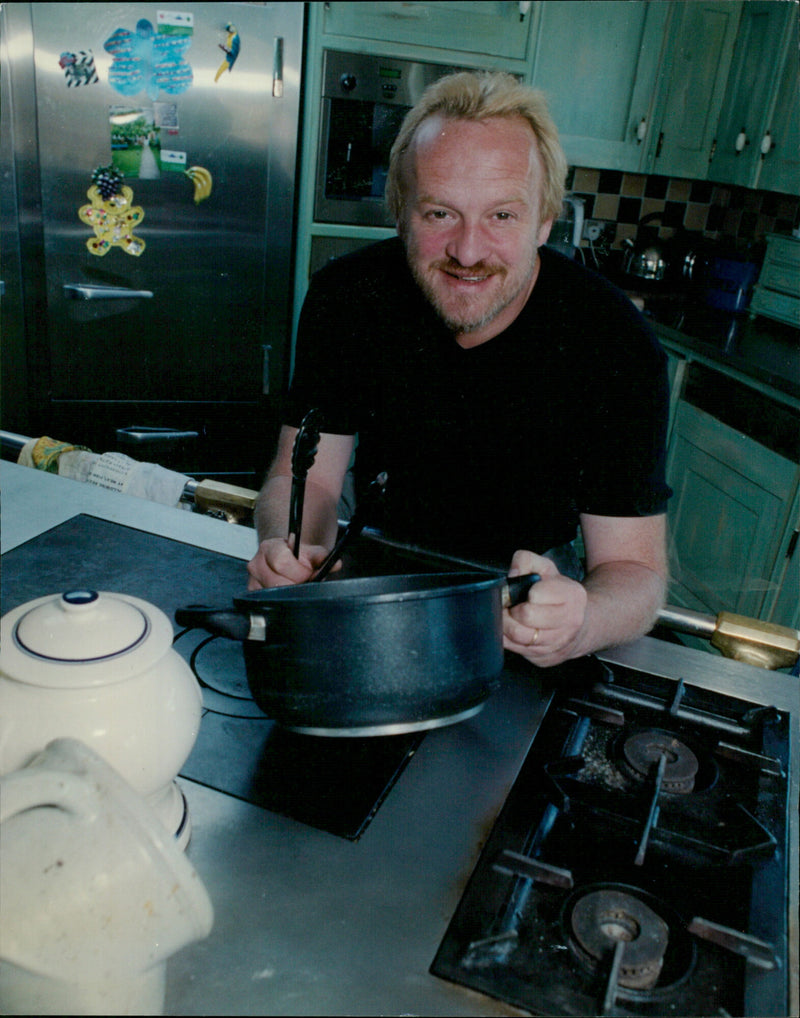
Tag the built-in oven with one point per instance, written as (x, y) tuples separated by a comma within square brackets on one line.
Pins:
[(364, 101)]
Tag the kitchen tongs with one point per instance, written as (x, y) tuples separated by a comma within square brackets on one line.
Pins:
[(304, 452), (361, 514)]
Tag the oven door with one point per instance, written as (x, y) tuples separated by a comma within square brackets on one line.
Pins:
[(355, 142)]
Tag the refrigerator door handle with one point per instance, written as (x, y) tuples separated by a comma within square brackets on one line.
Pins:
[(277, 68), (85, 291)]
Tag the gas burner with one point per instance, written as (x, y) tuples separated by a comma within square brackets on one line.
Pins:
[(642, 751), (610, 925), (601, 920)]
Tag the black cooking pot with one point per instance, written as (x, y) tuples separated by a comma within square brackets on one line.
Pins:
[(370, 656)]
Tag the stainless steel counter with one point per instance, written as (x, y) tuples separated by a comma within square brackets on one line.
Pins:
[(309, 923)]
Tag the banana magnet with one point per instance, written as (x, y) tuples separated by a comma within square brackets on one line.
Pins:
[(202, 181)]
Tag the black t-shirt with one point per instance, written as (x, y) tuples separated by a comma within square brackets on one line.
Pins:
[(497, 447)]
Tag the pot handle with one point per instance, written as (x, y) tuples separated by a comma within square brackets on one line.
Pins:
[(516, 588), (219, 621)]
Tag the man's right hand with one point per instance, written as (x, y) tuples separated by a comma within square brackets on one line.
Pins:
[(275, 564)]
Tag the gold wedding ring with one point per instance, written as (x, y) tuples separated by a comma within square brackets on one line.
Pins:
[(535, 638)]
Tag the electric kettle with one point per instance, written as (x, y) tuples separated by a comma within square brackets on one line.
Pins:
[(567, 230)]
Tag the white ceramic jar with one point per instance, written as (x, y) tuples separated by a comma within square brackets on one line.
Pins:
[(99, 667)]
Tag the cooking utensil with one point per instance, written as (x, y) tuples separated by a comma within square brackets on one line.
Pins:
[(680, 259), (645, 258), (357, 523), (304, 453), (371, 656)]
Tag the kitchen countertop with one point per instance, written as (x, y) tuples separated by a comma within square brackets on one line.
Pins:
[(309, 923), (754, 349), (760, 352)]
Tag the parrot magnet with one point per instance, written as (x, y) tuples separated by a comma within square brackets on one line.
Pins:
[(111, 214), (231, 50)]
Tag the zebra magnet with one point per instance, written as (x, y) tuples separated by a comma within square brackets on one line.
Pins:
[(78, 68)]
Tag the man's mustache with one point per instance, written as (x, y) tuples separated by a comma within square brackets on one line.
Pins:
[(455, 268)]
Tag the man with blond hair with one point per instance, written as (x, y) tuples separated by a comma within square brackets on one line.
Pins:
[(512, 396)]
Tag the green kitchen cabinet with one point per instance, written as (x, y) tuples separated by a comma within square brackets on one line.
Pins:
[(780, 165), (676, 370), (758, 126), (598, 65), (698, 56), (498, 29), (777, 292), (782, 604), (728, 515)]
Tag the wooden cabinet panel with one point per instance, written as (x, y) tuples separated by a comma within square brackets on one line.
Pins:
[(782, 604), (762, 49), (727, 515), (493, 28), (780, 167), (777, 293), (598, 64), (699, 56)]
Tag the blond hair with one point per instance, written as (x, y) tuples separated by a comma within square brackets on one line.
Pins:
[(478, 95)]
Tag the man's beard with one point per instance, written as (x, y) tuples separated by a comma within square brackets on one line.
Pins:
[(458, 314)]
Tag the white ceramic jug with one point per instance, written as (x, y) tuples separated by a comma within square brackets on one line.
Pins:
[(95, 895), (99, 667)]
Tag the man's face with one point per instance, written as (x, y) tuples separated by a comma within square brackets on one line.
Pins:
[(471, 226)]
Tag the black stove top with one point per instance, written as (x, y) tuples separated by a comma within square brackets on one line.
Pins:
[(333, 784), (639, 864)]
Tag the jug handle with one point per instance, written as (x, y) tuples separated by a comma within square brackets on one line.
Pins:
[(30, 788)]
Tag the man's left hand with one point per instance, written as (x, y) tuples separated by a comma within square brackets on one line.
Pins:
[(545, 628)]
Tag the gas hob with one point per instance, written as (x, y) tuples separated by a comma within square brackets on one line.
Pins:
[(639, 865)]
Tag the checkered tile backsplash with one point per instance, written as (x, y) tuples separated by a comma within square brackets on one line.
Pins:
[(720, 211)]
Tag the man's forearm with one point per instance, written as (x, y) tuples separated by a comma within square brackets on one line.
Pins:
[(319, 512), (624, 599)]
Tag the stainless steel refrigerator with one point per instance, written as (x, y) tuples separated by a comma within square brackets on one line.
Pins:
[(148, 159)]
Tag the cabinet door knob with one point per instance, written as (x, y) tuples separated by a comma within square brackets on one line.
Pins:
[(741, 141)]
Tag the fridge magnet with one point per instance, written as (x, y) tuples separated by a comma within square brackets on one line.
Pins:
[(173, 160), (165, 117), (202, 181), (149, 61), (111, 214), (135, 142), (78, 68), (175, 22), (231, 50)]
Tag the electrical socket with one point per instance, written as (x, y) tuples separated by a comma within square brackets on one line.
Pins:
[(593, 229)]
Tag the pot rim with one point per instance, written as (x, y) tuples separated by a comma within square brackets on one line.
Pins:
[(372, 589)]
